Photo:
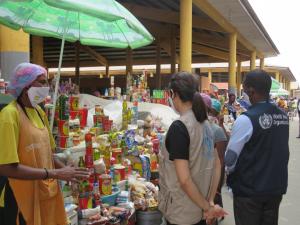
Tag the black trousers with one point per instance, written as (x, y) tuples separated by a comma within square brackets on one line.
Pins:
[(10, 212), (256, 210)]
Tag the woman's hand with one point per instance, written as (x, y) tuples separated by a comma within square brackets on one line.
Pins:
[(69, 173), (214, 212)]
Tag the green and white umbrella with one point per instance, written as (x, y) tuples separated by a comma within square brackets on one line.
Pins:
[(275, 85), (280, 92), (92, 22)]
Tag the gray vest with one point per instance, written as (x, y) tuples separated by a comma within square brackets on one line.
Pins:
[(174, 203)]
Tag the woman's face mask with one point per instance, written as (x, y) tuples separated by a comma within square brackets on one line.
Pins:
[(171, 102), (37, 95)]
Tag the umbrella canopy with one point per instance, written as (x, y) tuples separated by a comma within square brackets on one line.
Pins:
[(280, 92), (92, 22), (275, 85)]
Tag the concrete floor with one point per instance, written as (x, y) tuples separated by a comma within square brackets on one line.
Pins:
[(290, 206)]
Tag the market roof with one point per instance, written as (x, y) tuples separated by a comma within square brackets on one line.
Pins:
[(162, 19), (285, 71), (243, 17)]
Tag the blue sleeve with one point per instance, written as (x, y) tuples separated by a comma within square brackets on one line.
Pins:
[(241, 133), (220, 135)]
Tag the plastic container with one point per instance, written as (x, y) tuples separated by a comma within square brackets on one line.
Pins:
[(111, 199), (148, 217)]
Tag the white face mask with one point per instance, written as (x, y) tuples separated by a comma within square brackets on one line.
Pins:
[(37, 95), (171, 103)]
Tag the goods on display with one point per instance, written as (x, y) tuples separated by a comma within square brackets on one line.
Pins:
[(121, 162)]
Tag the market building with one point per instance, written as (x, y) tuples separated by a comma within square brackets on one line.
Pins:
[(186, 32)]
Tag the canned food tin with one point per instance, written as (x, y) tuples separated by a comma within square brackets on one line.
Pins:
[(74, 103), (121, 170), (63, 128), (97, 120), (98, 110), (117, 154), (117, 176), (63, 142), (105, 184)]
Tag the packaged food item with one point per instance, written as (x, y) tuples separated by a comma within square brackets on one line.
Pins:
[(105, 184), (106, 156), (121, 170), (98, 110), (64, 142), (63, 127), (74, 103), (117, 154), (64, 107), (88, 141)]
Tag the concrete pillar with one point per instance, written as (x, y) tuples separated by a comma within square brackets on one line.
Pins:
[(262, 63), (239, 78), (277, 76), (232, 63), (186, 15), (252, 61), (14, 49)]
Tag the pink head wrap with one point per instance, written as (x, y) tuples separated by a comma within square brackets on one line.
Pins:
[(23, 75)]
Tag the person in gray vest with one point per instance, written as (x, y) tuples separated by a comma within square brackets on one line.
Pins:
[(188, 160), (257, 155)]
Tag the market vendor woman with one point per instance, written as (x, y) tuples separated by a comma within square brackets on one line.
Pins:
[(29, 191)]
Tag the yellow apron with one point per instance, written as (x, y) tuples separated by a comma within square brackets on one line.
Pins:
[(39, 201)]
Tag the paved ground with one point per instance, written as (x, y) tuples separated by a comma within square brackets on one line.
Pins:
[(290, 206)]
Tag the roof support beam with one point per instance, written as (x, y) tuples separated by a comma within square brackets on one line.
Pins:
[(207, 8), (95, 55), (168, 16), (165, 45), (144, 61), (211, 52), (164, 31)]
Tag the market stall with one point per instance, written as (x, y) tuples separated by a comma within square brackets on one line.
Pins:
[(118, 141)]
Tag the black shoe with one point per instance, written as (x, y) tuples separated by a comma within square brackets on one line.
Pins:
[(298, 137)]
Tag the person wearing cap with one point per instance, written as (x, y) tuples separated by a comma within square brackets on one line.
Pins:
[(220, 140), (29, 190)]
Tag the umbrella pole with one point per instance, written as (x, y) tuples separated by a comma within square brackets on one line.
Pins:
[(57, 81)]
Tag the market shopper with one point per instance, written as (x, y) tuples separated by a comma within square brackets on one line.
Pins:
[(231, 105), (257, 155), (221, 144), (187, 163), (29, 190)]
